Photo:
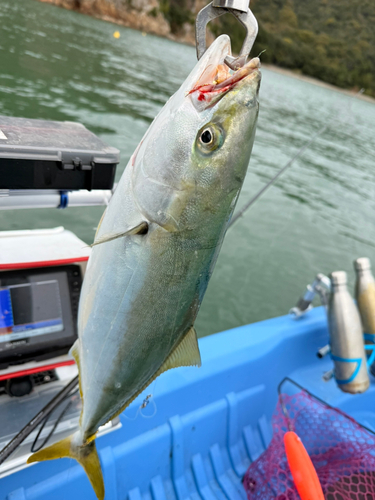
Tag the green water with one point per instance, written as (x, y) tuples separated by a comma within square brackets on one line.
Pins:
[(59, 65)]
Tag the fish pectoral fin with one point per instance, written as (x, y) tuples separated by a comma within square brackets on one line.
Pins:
[(86, 455), (100, 223), (186, 353), (141, 228)]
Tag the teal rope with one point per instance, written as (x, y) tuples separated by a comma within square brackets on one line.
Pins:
[(348, 360)]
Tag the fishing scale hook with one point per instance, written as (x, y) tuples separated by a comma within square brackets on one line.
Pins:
[(241, 11)]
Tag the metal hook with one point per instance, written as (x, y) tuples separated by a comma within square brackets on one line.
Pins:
[(240, 10)]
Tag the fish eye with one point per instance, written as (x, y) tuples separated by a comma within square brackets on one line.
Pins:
[(206, 136), (210, 137)]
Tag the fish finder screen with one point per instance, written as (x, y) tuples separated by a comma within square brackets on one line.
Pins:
[(30, 309), (38, 312)]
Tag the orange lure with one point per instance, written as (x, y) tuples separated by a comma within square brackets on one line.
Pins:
[(302, 469)]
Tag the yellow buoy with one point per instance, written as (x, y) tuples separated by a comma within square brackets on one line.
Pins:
[(116, 34)]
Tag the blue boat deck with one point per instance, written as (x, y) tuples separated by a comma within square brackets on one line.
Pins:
[(203, 427)]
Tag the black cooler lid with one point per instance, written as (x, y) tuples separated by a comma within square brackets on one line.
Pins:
[(42, 154)]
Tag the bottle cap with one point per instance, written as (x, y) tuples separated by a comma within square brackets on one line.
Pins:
[(362, 264), (338, 278)]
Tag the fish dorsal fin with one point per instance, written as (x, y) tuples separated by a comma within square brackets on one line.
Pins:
[(186, 353), (74, 350), (141, 228)]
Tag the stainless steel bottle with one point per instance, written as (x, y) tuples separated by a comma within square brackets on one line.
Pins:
[(346, 338), (365, 294), (365, 297)]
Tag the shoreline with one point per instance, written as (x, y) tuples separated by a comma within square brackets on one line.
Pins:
[(158, 26), (316, 81)]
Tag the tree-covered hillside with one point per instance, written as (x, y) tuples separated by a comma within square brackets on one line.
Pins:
[(333, 40)]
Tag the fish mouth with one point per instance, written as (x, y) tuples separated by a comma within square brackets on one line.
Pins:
[(216, 81)]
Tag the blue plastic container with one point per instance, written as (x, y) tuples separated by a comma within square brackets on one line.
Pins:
[(209, 423)]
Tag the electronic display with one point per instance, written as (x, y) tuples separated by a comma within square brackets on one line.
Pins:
[(38, 312), (30, 309)]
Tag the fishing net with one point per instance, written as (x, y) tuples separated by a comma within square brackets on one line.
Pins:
[(343, 453)]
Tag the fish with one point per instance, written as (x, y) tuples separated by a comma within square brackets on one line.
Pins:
[(156, 246)]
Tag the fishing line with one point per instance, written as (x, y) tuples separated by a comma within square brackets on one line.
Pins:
[(285, 167), (131, 418), (149, 399)]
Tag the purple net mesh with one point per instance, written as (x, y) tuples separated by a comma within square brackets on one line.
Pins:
[(343, 453)]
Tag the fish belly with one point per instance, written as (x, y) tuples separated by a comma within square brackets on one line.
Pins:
[(140, 297)]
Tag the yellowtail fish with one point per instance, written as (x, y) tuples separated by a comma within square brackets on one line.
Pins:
[(156, 246)]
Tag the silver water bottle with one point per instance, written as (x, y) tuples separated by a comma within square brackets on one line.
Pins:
[(346, 338), (365, 297)]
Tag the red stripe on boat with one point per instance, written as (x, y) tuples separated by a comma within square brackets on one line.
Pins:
[(38, 369), (44, 263)]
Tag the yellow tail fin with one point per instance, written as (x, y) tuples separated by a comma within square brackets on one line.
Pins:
[(86, 455)]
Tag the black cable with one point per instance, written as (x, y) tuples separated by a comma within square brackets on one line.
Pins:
[(34, 422), (34, 449)]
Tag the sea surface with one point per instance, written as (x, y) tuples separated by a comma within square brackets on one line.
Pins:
[(60, 65)]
